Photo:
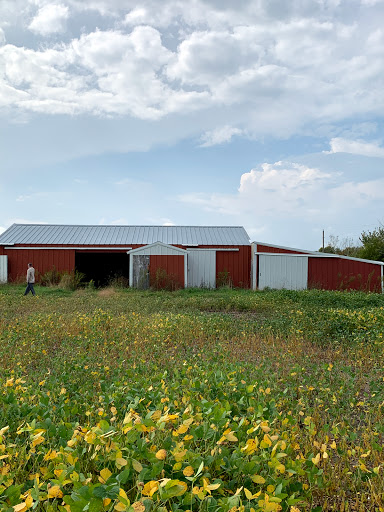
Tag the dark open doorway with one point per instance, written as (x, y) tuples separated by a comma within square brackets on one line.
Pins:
[(102, 267)]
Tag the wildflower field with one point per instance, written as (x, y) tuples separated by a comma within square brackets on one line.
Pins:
[(223, 400)]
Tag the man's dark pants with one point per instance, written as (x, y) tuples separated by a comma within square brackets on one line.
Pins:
[(29, 288)]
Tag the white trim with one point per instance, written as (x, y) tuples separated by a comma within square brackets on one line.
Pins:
[(144, 248), (284, 247), (253, 268), (358, 259), (130, 282), (185, 271), (70, 248), (161, 244), (287, 254), (3, 268)]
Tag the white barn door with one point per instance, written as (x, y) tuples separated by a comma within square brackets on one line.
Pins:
[(283, 272), (201, 268), (3, 269)]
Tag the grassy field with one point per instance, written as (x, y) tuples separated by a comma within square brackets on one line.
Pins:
[(194, 400)]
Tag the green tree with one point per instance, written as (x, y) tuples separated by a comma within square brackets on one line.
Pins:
[(373, 244), (344, 247)]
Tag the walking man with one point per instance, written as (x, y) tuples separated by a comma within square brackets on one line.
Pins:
[(30, 280)]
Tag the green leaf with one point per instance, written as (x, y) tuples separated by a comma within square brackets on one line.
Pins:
[(137, 466)]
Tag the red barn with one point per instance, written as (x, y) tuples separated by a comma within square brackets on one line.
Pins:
[(191, 255), (280, 267)]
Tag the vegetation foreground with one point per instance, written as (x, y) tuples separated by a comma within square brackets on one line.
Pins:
[(194, 400)]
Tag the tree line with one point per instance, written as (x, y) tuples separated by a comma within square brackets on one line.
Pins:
[(370, 246)]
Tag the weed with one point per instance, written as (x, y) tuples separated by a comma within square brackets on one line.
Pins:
[(201, 400)]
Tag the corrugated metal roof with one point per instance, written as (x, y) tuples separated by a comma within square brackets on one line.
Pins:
[(123, 235)]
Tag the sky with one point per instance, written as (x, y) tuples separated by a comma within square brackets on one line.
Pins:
[(262, 113)]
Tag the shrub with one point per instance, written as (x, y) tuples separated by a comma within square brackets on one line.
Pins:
[(164, 281), (51, 277), (71, 281), (224, 279)]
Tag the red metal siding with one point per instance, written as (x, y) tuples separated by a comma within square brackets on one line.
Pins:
[(43, 260), (172, 264), (237, 264), (343, 274), (277, 250)]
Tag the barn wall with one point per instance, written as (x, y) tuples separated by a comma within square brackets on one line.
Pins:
[(43, 260), (343, 274), (278, 250), (172, 264), (237, 263)]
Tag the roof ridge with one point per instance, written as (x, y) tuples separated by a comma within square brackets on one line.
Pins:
[(128, 225)]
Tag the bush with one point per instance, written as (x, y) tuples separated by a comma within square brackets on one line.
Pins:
[(71, 281), (164, 281), (51, 277), (224, 279)]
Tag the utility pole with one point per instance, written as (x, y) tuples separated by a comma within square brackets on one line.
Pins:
[(323, 240)]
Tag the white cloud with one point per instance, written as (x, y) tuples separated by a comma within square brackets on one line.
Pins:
[(22, 220), (359, 194), (26, 197), (276, 201), (372, 2), (292, 190), (2, 36), (207, 57), (219, 136), (281, 188), (118, 222), (161, 221), (115, 222), (51, 18), (285, 180), (247, 64), (167, 222), (2, 229), (356, 147)]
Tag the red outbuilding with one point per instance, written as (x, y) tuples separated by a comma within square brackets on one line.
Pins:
[(280, 267), (190, 256), (179, 256)]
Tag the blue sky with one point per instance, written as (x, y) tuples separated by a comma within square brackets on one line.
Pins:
[(261, 113)]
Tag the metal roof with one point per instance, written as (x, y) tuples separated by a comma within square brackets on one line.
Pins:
[(305, 252), (123, 235)]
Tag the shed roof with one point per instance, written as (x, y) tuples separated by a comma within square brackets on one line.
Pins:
[(50, 234), (305, 252)]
